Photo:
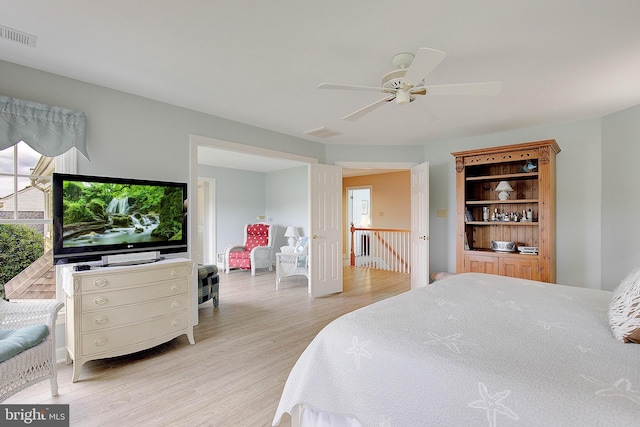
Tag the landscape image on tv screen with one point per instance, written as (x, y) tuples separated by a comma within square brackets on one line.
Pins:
[(103, 213)]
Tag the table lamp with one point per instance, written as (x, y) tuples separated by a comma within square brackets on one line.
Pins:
[(292, 234), (503, 190)]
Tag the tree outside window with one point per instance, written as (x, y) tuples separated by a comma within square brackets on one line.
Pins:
[(26, 263)]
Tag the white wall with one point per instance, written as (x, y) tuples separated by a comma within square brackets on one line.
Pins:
[(578, 196), (137, 137), (620, 199), (141, 138), (374, 153), (287, 200), (240, 198)]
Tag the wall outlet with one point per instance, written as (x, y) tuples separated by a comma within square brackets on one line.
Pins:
[(441, 213)]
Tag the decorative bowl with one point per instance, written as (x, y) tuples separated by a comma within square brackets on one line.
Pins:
[(503, 246)]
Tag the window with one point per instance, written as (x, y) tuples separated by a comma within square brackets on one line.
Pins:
[(26, 262)]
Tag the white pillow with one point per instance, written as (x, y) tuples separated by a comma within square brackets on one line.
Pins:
[(624, 310)]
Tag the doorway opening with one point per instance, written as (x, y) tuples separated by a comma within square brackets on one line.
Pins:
[(359, 214)]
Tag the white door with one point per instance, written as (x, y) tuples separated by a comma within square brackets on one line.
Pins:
[(325, 217), (206, 217), (200, 245), (420, 225)]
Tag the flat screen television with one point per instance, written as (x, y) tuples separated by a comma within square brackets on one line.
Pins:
[(96, 216)]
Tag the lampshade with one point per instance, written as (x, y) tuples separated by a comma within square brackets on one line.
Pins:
[(292, 232), (503, 188)]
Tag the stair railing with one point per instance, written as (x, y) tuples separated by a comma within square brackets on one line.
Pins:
[(380, 248)]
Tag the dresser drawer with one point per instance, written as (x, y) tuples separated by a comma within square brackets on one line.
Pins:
[(114, 298), (115, 277), (119, 316), (109, 340)]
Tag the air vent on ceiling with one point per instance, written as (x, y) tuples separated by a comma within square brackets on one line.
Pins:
[(322, 132), (17, 36)]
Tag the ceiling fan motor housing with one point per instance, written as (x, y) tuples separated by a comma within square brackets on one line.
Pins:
[(394, 79)]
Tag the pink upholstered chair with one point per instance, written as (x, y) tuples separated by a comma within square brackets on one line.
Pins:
[(257, 251)]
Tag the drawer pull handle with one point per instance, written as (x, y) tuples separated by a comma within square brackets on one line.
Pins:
[(100, 341), (175, 288), (174, 272), (100, 300), (175, 304), (101, 320), (176, 323), (101, 283)]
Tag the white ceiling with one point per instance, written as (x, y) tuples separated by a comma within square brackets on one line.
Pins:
[(260, 62)]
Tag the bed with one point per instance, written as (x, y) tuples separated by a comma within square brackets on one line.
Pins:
[(471, 349)]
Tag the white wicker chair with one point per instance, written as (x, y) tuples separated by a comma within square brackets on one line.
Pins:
[(37, 363)]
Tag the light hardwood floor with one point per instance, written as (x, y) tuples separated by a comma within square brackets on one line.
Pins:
[(233, 375)]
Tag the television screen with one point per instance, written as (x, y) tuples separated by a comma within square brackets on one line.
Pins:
[(97, 216)]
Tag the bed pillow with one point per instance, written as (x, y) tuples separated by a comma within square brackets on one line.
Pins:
[(624, 310)]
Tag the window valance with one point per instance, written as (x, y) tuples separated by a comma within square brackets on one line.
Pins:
[(48, 129)]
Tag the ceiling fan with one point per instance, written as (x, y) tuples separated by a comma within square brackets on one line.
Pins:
[(403, 84)]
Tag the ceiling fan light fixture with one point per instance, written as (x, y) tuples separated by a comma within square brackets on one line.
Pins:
[(403, 97)]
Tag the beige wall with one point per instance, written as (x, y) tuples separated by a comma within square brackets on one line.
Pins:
[(390, 198)]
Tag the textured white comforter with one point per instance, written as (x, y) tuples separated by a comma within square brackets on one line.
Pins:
[(473, 350)]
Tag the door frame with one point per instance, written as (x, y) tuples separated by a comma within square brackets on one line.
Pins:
[(196, 141), (347, 226), (209, 237)]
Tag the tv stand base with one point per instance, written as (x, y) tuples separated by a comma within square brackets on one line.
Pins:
[(131, 259)]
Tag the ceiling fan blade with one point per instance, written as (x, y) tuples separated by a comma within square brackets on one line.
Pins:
[(423, 63), (350, 87), (369, 108), (484, 88)]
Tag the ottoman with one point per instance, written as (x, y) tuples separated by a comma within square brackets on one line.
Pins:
[(208, 284)]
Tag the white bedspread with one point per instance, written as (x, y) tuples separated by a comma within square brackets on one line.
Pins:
[(473, 350)]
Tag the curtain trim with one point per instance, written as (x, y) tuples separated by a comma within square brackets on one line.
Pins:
[(48, 129)]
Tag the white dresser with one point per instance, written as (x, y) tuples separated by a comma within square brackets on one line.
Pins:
[(112, 311)]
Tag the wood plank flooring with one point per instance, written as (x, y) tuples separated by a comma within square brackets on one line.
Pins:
[(233, 375)]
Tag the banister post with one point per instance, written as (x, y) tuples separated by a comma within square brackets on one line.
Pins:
[(352, 255)]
